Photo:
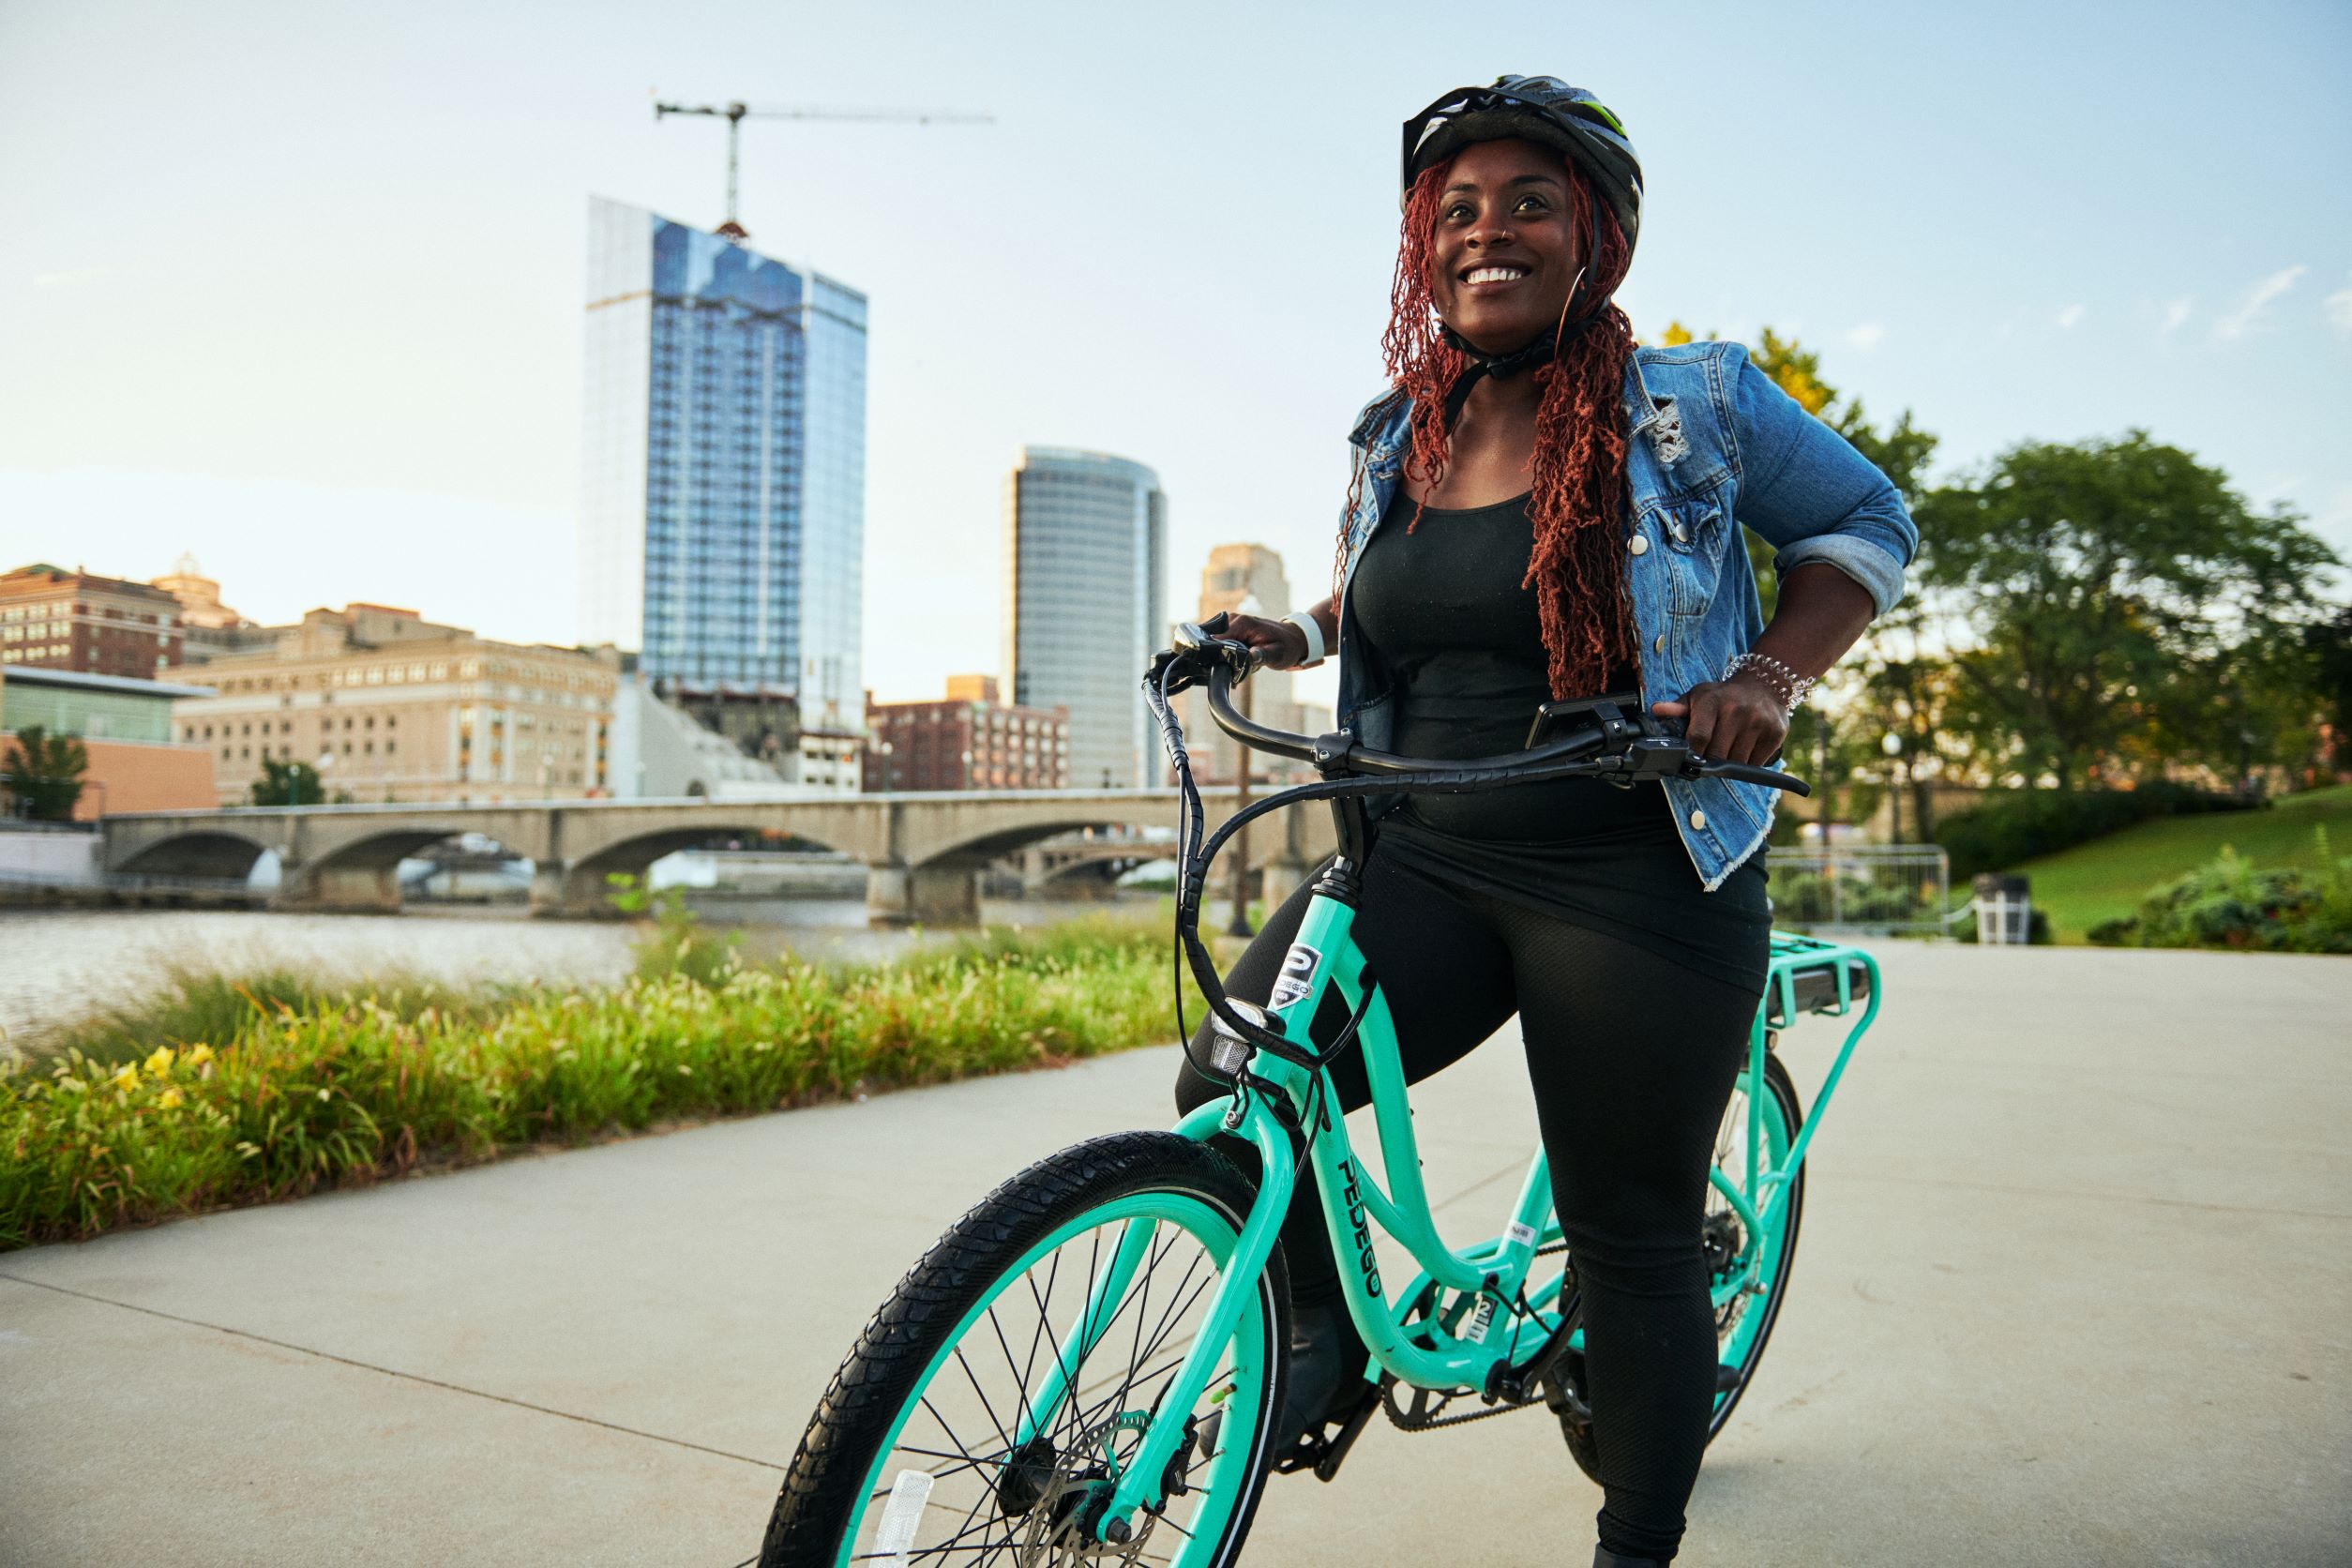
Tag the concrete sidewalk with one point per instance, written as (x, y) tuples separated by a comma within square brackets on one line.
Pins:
[(2072, 1289)]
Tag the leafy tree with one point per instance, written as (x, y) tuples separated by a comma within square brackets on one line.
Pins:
[(44, 772), (2125, 603), (288, 784)]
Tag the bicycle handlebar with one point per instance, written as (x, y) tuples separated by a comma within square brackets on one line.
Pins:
[(1635, 749)]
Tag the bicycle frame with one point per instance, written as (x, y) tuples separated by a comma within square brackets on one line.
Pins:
[(1443, 1350), (1463, 1349)]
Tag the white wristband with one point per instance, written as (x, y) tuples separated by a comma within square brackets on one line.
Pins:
[(1308, 624)]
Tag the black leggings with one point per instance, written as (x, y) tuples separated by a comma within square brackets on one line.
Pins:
[(1632, 1057)]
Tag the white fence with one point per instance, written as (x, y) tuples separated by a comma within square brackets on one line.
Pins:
[(1862, 887)]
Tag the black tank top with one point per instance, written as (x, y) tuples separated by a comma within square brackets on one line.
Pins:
[(1459, 643)]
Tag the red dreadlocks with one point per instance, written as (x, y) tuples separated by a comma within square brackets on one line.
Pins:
[(1578, 496)]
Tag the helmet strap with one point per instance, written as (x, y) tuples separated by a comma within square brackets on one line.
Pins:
[(1501, 367)]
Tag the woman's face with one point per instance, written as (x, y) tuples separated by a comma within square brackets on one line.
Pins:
[(1504, 253)]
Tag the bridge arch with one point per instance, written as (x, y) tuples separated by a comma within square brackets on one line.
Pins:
[(205, 853)]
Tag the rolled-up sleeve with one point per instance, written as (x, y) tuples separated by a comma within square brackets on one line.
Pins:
[(1808, 492)]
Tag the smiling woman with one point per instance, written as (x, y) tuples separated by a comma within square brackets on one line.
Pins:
[(1541, 511)]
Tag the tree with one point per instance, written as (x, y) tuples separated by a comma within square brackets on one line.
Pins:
[(2124, 602), (44, 772), (288, 784)]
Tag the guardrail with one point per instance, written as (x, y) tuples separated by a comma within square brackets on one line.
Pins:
[(1886, 889)]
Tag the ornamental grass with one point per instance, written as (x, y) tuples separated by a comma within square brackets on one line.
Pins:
[(340, 1090)]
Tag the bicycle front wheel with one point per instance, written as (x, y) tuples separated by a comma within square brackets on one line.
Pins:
[(1000, 1393)]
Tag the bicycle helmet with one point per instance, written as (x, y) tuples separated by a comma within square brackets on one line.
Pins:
[(1540, 109)]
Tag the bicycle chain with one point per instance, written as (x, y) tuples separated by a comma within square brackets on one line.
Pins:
[(1388, 1403)]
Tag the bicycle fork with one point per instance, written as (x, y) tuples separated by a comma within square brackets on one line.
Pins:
[(1140, 1484)]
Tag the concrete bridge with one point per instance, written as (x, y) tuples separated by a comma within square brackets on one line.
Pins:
[(924, 853)]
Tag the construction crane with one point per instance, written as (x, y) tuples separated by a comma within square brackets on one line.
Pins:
[(735, 113)]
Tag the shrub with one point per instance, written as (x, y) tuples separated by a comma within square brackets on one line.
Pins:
[(2026, 825), (2228, 902)]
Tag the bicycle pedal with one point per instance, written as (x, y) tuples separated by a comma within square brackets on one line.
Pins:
[(1327, 1468), (1322, 1449), (1727, 1379)]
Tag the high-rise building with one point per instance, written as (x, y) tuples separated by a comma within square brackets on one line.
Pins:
[(723, 498), (56, 619), (1085, 537), (1247, 579)]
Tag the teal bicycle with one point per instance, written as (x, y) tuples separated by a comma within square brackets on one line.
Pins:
[(1088, 1366)]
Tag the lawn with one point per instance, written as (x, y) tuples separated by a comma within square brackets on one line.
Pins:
[(2108, 876)]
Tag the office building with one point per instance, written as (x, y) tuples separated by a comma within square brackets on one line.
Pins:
[(723, 496), (1085, 536), (56, 619), (390, 706), (124, 724), (969, 741)]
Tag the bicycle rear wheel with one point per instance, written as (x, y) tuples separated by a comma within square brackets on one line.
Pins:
[(990, 1405), (1744, 1321)]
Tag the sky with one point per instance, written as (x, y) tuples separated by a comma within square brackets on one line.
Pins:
[(298, 288)]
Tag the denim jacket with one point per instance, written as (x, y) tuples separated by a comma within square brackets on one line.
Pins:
[(1714, 441)]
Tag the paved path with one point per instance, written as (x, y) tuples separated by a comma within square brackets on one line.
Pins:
[(2073, 1289)]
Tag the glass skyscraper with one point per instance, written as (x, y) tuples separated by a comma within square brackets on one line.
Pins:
[(723, 498), (1085, 537)]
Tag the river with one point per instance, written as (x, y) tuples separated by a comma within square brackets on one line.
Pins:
[(58, 966)]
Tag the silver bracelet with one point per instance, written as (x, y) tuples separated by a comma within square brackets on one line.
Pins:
[(1313, 631), (1795, 685)]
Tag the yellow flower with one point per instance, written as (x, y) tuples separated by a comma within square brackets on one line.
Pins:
[(169, 1099), (199, 1055), (161, 1063)]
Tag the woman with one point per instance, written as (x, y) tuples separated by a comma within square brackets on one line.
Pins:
[(1541, 510)]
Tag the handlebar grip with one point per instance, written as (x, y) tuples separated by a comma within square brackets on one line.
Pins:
[(1769, 777)]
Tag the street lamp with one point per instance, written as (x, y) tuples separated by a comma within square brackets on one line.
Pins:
[(1892, 747), (327, 760)]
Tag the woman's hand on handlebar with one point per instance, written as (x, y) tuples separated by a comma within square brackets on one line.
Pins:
[(1277, 644), (1738, 720)]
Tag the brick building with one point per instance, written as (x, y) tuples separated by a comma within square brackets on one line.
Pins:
[(56, 619), (967, 741)]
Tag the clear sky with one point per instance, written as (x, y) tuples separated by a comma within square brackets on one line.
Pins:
[(299, 287)]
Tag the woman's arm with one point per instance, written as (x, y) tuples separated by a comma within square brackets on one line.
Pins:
[(1842, 540), (1821, 613)]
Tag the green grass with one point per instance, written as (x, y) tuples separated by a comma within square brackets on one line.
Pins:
[(2106, 878), (245, 1093)]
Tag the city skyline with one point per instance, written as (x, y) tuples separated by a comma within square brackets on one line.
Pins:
[(287, 353)]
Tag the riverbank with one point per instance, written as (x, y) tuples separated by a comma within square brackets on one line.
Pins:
[(274, 1087), (59, 968)]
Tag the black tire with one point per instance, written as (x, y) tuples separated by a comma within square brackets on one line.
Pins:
[(826, 1488), (1567, 1391)]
